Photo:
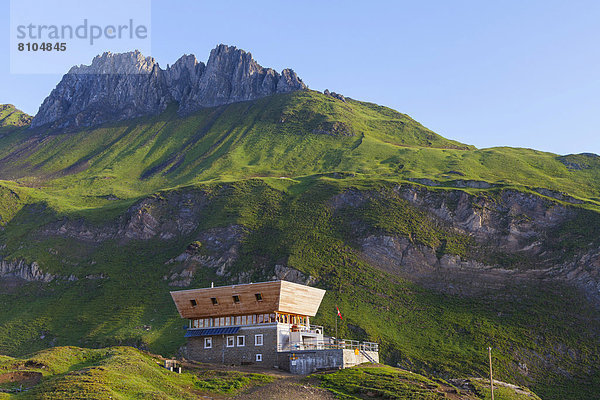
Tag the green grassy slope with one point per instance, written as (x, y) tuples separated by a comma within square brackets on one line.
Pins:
[(127, 373), (291, 135), (117, 373), (11, 118), (272, 166), (367, 382), (422, 330)]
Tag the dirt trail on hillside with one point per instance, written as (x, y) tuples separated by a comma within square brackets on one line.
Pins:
[(286, 388)]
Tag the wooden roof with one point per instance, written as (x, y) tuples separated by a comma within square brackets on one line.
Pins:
[(277, 296)]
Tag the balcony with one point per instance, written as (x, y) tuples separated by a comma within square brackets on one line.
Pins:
[(314, 329), (326, 343)]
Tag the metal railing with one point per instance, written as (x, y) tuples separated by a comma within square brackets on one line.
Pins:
[(355, 344), (311, 329), (330, 343)]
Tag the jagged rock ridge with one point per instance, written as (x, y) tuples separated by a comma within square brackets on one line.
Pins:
[(122, 86)]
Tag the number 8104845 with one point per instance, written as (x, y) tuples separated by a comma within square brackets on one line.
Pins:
[(46, 46)]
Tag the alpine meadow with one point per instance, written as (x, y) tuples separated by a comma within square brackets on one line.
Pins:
[(432, 248)]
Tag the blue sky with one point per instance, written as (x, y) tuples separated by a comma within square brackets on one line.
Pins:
[(509, 73)]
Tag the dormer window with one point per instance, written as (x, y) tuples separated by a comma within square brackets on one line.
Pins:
[(258, 296), (214, 301), (236, 299), (193, 302)]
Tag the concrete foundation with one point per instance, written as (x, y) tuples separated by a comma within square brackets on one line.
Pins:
[(308, 361)]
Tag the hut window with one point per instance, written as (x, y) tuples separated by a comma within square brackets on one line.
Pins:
[(230, 341), (193, 302), (236, 299), (241, 341), (259, 357), (208, 343), (258, 296), (214, 301), (258, 340)]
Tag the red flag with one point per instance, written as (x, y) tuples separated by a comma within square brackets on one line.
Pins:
[(338, 311)]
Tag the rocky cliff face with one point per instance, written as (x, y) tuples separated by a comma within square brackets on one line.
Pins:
[(113, 87), (231, 75), (122, 86), (511, 232), (21, 270), (516, 225)]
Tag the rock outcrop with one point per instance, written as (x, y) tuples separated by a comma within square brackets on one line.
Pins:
[(216, 249), (512, 245), (21, 270), (231, 75), (113, 87), (512, 235), (282, 272), (335, 95), (514, 223), (117, 87), (153, 217)]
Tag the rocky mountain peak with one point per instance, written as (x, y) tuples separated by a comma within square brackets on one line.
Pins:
[(225, 57), (116, 87), (132, 62)]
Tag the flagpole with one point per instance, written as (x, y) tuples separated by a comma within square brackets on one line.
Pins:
[(336, 336), (336, 324)]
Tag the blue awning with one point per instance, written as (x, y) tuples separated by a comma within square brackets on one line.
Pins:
[(212, 331)]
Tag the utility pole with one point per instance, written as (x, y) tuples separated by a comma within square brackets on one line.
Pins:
[(491, 376)]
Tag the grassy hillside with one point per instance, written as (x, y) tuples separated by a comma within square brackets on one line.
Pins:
[(273, 169), (116, 372), (127, 373), (369, 382), (121, 296), (11, 117), (290, 135)]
